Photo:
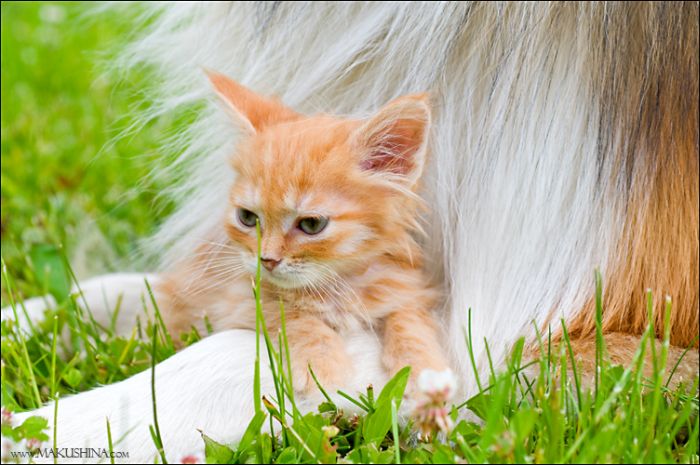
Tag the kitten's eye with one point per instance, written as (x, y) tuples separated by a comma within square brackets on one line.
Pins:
[(313, 225), (247, 217)]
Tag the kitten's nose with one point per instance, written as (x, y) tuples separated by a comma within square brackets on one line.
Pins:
[(269, 263)]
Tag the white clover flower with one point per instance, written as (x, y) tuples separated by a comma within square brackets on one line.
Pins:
[(431, 414), (6, 417), (33, 444)]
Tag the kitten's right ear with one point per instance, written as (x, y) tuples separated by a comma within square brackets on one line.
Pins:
[(249, 110), (394, 141)]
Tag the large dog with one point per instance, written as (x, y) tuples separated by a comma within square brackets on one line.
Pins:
[(565, 140)]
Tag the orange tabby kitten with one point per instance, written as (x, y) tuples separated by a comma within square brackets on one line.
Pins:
[(336, 203)]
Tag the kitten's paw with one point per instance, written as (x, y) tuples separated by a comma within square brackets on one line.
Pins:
[(428, 401), (437, 384), (330, 373)]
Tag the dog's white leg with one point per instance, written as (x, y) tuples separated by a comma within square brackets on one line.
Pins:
[(30, 311), (102, 295), (207, 386), (125, 293)]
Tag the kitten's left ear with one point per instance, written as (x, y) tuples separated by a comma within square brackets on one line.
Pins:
[(250, 111), (394, 141)]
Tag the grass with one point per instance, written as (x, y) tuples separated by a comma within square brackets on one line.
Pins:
[(68, 194), (64, 179)]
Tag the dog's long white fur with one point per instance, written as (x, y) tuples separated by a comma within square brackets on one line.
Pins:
[(517, 222)]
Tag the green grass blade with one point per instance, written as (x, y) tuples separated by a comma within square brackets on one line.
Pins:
[(109, 441), (27, 367), (156, 429)]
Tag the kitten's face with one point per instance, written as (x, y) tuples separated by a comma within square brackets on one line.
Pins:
[(330, 195), (317, 216)]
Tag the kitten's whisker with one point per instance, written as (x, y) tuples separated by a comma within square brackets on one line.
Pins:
[(199, 292), (209, 265), (196, 263), (223, 265), (227, 265), (222, 245), (219, 280), (343, 288), (317, 291), (329, 284)]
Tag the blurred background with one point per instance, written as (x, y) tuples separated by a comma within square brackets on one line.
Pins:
[(75, 182)]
